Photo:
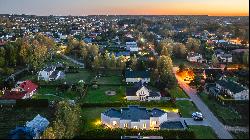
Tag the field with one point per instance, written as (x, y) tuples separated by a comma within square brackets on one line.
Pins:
[(51, 93), (98, 95)]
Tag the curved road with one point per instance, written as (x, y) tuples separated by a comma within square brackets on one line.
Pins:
[(214, 123)]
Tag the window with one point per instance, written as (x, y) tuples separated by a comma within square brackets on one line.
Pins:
[(154, 122), (144, 125), (125, 125), (114, 123), (135, 127)]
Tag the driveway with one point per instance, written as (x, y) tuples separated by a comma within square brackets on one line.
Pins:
[(213, 122)]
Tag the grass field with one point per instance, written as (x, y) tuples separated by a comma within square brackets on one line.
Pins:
[(98, 95), (51, 93), (109, 80), (186, 108), (177, 92), (84, 75), (203, 132), (90, 117), (227, 115)]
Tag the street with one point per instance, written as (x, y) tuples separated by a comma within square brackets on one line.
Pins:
[(214, 123)]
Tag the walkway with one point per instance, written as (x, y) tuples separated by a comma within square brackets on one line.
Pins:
[(216, 125), (73, 60)]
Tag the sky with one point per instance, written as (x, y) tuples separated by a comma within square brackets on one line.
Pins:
[(126, 7)]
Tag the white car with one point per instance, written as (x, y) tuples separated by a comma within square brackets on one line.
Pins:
[(197, 116)]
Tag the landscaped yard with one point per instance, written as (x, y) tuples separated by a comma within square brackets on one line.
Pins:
[(51, 93), (227, 115), (99, 96), (177, 92), (186, 108), (203, 132)]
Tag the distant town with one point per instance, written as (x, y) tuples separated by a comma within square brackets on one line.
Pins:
[(124, 77)]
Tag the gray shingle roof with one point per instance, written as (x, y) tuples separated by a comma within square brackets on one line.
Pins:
[(134, 113), (137, 74), (230, 85)]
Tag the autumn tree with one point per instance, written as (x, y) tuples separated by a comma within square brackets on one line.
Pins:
[(49, 133), (214, 60), (193, 44)]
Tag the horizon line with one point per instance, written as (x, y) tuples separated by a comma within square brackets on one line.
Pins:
[(136, 15)]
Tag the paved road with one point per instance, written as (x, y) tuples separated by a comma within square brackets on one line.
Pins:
[(191, 121), (73, 60), (214, 123)]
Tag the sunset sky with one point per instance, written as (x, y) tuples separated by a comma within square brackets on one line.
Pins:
[(126, 7)]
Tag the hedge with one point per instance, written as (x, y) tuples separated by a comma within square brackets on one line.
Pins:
[(117, 133), (122, 104), (32, 103)]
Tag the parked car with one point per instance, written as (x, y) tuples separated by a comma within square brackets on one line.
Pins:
[(197, 116)]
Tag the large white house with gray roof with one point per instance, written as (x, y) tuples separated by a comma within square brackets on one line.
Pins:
[(134, 117)]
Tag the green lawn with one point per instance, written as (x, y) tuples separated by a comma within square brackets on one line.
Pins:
[(203, 132), (56, 94), (240, 135), (90, 116), (227, 115), (98, 95), (186, 108), (177, 92), (84, 75), (109, 80)]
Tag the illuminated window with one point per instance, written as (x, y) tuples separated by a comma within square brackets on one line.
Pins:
[(135, 127), (154, 122), (144, 125), (114, 123), (125, 125)]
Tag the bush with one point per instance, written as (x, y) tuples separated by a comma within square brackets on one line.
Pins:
[(117, 133)]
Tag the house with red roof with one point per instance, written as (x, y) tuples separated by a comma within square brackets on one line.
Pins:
[(23, 90)]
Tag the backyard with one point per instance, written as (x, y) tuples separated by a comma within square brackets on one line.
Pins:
[(52, 93), (99, 96)]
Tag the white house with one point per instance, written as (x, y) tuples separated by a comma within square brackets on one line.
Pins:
[(134, 117), (50, 74), (194, 57), (141, 93), (233, 89), (137, 76)]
